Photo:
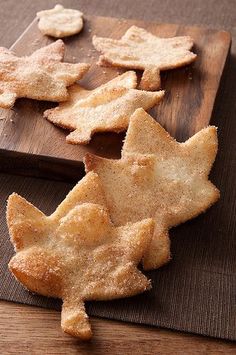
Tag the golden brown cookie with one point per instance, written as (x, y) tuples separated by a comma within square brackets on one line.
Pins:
[(40, 76), (60, 22), (107, 108), (158, 177), (76, 254), (139, 49)]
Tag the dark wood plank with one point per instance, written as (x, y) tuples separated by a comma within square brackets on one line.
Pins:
[(33, 146), (111, 337)]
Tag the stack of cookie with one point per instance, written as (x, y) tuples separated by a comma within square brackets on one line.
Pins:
[(119, 215)]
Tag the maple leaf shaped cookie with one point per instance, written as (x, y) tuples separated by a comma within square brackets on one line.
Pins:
[(40, 76), (158, 177), (139, 49), (76, 254), (107, 108)]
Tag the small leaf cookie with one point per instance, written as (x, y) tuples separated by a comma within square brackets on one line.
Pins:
[(139, 49), (105, 109), (40, 76)]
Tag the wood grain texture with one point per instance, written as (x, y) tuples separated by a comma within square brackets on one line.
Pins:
[(26, 329), (28, 140), (38, 331)]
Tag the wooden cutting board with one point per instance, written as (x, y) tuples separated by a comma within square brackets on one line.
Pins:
[(30, 145)]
